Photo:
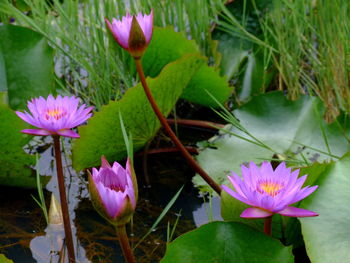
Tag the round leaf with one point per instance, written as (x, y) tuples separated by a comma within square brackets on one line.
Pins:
[(327, 237), (289, 129), (226, 242), (26, 65), (14, 162), (162, 51)]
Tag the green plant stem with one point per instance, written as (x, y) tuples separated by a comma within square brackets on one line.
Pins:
[(268, 226), (172, 135), (125, 245), (63, 199)]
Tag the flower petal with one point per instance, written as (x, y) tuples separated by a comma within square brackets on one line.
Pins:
[(27, 118), (303, 193), (104, 162), (236, 182), (267, 202), (297, 212), (56, 115), (254, 212), (68, 133), (146, 24), (266, 168), (39, 132), (236, 195)]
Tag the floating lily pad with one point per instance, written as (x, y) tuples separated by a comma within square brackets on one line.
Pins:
[(292, 130), (167, 46), (14, 162), (26, 65), (327, 237), (226, 242), (4, 259)]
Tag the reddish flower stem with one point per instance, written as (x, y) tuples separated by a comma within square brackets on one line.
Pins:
[(197, 123), (63, 199), (125, 245), (170, 150), (268, 226), (172, 135)]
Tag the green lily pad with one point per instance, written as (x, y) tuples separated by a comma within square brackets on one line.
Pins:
[(292, 130), (163, 50), (14, 162), (103, 134), (226, 242), (327, 237), (166, 46), (207, 80), (26, 65), (4, 259)]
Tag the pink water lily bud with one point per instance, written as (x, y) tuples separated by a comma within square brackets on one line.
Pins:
[(133, 33), (113, 191), (270, 191), (55, 116)]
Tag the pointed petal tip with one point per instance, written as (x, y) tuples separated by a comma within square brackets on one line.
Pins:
[(297, 212), (36, 132), (109, 25), (104, 162), (255, 212), (68, 133)]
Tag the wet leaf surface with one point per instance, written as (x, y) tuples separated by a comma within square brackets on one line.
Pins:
[(327, 236), (279, 128), (26, 65), (226, 242)]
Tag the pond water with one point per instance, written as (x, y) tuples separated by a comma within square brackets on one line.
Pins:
[(25, 236)]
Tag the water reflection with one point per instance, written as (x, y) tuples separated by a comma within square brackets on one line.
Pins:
[(208, 211), (25, 237)]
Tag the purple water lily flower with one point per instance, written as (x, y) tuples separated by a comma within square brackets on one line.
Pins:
[(122, 32), (113, 191), (270, 191), (55, 116)]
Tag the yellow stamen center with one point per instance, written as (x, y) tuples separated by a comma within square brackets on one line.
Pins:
[(55, 113), (270, 188)]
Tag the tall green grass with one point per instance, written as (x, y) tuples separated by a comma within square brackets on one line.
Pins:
[(307, 41), (88, 63), (313, 44)]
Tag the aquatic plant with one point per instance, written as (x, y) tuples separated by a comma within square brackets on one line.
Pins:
[(113, 191), (131, 35), (136, 46), (56, 117), (270, 192)]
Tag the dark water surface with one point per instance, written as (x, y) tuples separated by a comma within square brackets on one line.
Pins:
[(25, 236)]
